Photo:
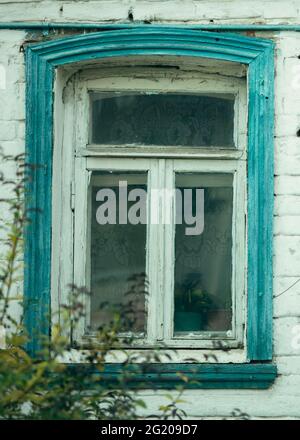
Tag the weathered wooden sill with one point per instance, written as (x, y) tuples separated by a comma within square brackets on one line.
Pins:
[(200, 376)]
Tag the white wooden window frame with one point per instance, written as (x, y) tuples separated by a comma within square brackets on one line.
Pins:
[(75, 159)]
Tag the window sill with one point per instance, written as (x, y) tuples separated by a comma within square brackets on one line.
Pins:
[(201, 376)]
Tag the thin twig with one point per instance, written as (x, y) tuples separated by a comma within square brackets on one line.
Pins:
[(286, 290)]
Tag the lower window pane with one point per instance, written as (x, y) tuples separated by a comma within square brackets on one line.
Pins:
[(118, 249), (203, 249)]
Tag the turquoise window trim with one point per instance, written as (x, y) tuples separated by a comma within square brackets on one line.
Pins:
[(200, 376), (48, 26), (41, 61)]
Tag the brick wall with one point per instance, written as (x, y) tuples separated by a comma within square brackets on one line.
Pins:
[(271, 11)]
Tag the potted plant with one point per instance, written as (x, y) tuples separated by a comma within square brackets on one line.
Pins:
[(192, 304)]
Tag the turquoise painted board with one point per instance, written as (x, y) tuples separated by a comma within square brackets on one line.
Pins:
[(42, 60), (48, 27), (200, 376)]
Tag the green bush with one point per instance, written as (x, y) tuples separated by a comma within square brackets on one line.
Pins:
[(44, 386)]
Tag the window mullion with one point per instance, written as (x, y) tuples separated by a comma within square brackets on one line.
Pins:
[(150, 257), (169, 252), (157, 246)]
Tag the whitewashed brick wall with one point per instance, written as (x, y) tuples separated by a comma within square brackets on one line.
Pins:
[(202, 11), (283, 399)]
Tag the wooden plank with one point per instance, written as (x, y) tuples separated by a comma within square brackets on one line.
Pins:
[(260, 207), (200, 376)]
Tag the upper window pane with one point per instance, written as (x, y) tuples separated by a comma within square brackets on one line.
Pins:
[(162, 119)]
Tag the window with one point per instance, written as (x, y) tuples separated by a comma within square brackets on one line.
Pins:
[(158, 190), (52, 145)]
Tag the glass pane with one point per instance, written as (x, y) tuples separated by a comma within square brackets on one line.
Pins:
[(203, 248), (162, 119), (118, 249)]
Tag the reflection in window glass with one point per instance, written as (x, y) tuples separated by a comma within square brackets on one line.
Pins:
[(118, 251), (203, 266), (162, 119)]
